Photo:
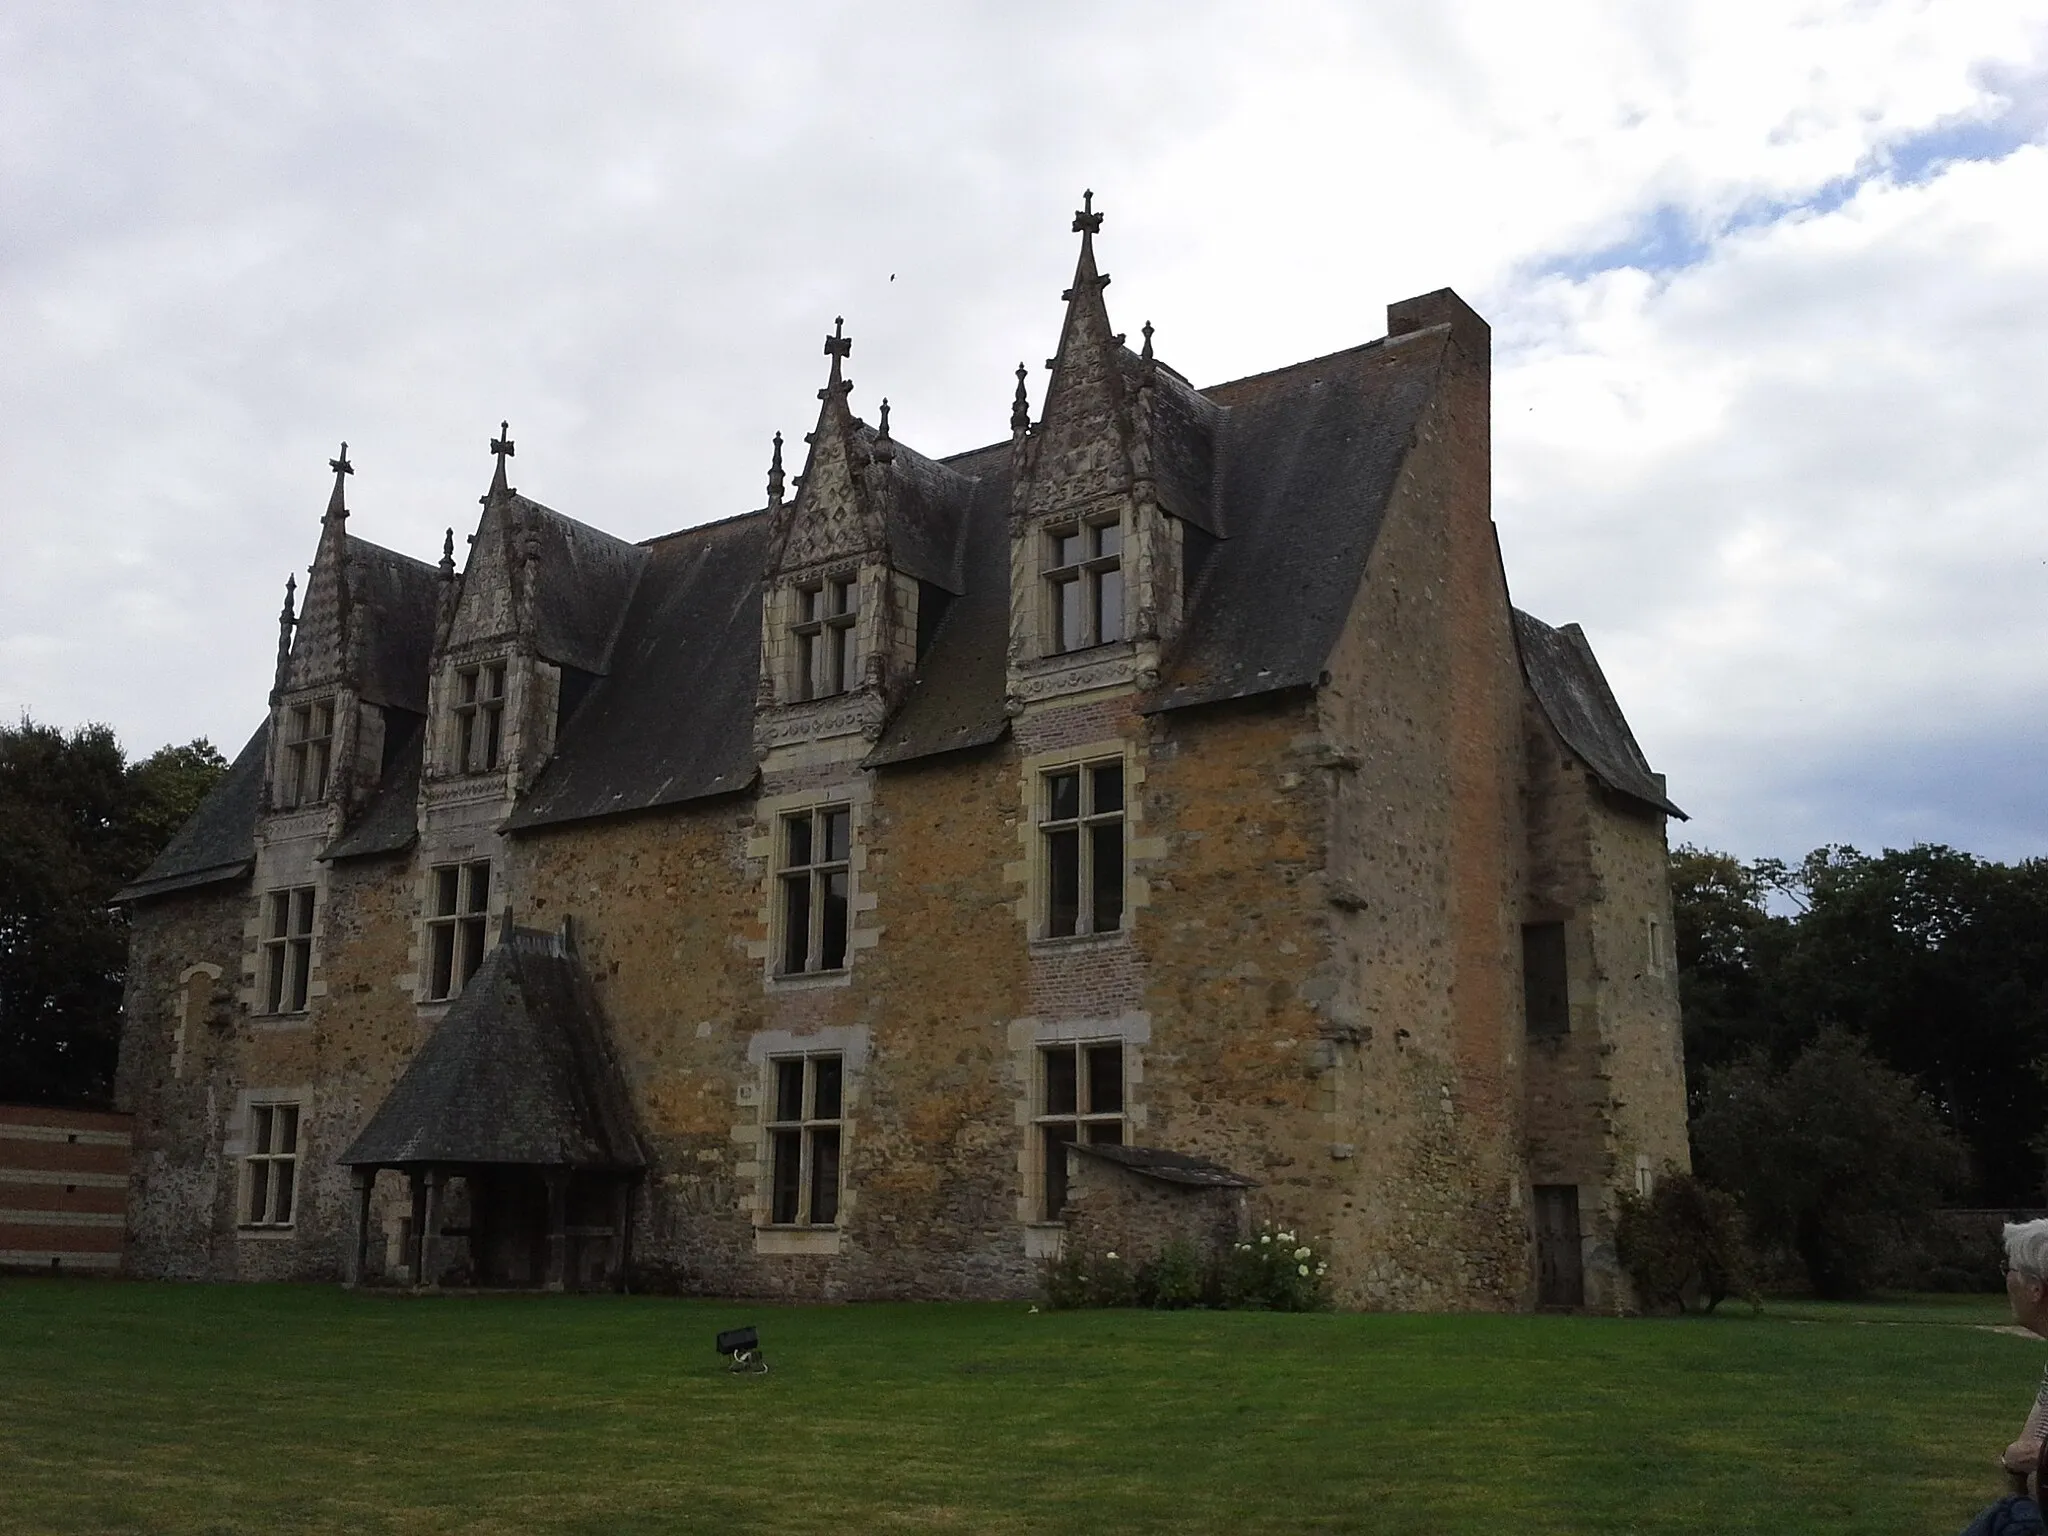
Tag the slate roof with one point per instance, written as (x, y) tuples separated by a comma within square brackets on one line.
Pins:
[(674, 721), (515, 1073), (588, 577), (390, 822), (219, 842), (1167, 1167), (393, 599), (1574, 695)]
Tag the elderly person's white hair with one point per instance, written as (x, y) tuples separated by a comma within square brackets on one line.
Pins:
[(2026, 1249)]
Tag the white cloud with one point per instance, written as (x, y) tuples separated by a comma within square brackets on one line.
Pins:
[(1769, 482)]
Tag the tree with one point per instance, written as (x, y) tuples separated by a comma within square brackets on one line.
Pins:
[(1726, 942), (1684, 1245), (1826, 1155), (76, 822)]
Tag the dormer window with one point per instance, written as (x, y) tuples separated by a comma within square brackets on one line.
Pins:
[(826, 649), (1084, 578), (479, 717), (308, 751)]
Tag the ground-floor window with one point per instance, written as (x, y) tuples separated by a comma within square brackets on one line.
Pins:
[(804, 1140), (270, 1170), (1080, 1098)]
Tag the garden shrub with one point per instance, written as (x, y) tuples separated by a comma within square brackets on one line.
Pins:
[(1273, 1271), (1175, 1279), (1684, 1246)]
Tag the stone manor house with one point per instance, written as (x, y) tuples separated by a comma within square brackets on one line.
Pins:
[(1159, 807)]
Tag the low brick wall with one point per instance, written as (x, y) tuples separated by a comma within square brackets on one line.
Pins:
[(63, 1189)]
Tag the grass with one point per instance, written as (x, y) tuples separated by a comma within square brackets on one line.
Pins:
[(198, 1409)]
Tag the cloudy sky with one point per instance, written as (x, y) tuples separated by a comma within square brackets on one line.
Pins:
[(1769, 287)]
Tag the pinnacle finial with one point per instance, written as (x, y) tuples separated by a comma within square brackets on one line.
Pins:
[(1147, 352), (1087, 221), (884, 449), (502, 446), (291, 588), (775, 473), (337, 505), (838, 346), (1020, 408), (448, 556), (286, 623), (341, 466)]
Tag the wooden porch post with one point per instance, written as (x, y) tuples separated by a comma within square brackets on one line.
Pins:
[(430, 1232), (558, 1227), (415, 1256), (365, 1181), (622, 1212)]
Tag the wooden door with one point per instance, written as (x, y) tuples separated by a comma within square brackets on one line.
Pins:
[(1560, 1271)]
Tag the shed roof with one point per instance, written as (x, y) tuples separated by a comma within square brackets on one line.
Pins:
[(219, 842), (1567, 681), (1167, 1167), (515, 1073)]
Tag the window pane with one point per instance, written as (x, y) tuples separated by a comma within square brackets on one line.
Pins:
[(302, 914), (480, 887), (273, 996), (1106, 786), (465, 747), (495, 681), (1070, 636), (262, 1114), (280, 910), (441, 971), (1067, 549), (466, 680), (1546, 996), (444, 890), (837, 826), (281, 1190), (1106, 856), (317, 769), (797, 841), (825, 1088), (1105, 1133), (1109, 605), (1062, 796), (796, 922), (846, 666), (807, 604), (1063, 882), (472, 947), (300, 963), (1056, 1139), (259, 1191), (286, 1136), (1109, 539), (788, 1180), (832, 922), (824, 1176), (1105, 1079), (810, 665), (789, 1089), (494, 732), (1059, 1081), (845, 597)]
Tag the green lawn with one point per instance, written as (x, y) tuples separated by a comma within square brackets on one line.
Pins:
[(168, 1409)]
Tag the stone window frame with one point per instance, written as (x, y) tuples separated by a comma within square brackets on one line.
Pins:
[(764, 854), (285, 976), (816, 871), (825, 611), (1086, 572), (1028, 1039), (808, 1128), (305, 765), (1083, 822), (1085, 1116), (1029, 874), (259, 1157), (1657, 945), (754, 1173), (473, 707), (464, 929)]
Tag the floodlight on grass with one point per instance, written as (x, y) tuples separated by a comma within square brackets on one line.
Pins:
[(742, 1346)]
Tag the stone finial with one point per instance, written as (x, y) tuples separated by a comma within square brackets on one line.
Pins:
[(287, 621), (502, 446), (337, 507), (1146, 354), (1020, 407), (1087, 221), (884, 450), (775, 473), (838, 346), (448, 556)]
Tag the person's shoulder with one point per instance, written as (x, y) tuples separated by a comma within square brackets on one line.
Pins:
[(2013, 1515)]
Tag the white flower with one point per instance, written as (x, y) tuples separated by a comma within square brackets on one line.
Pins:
[(1265, 1237), (1111, 1254), (1286, 1237), (1322, 1269), (1301, 1253), (1244, 1247), (1303, 1268)]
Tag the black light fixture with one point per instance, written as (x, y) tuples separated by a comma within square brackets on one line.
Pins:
[(742, 1346)]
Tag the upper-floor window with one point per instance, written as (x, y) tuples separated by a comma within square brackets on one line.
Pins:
[(287, 949), (270, 1168), (815, 880), (1546, 994), (1080, 1098), (804, 1140), (308, 752), (826, 655), (479, 717), (1084, 579), (1656, 946), (1081, 824), (458, 925)]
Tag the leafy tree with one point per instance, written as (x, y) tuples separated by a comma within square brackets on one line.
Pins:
[(1727, 940), (1827, 1154), (1683, 1246), (76, 822)]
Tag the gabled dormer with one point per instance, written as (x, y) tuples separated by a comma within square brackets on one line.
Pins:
[(522, 633), (860, 567), (1106, 488), (350, 669)]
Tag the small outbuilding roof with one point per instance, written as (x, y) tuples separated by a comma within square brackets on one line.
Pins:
[(1167, 1167)]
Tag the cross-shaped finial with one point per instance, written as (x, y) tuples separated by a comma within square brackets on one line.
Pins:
[(1088, 221), (341, 466), (501, 445), (838, 344)]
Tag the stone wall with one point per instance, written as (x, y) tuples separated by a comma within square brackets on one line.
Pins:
[(1113, 1209)]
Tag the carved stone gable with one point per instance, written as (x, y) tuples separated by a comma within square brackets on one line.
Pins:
[(833, 518)]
